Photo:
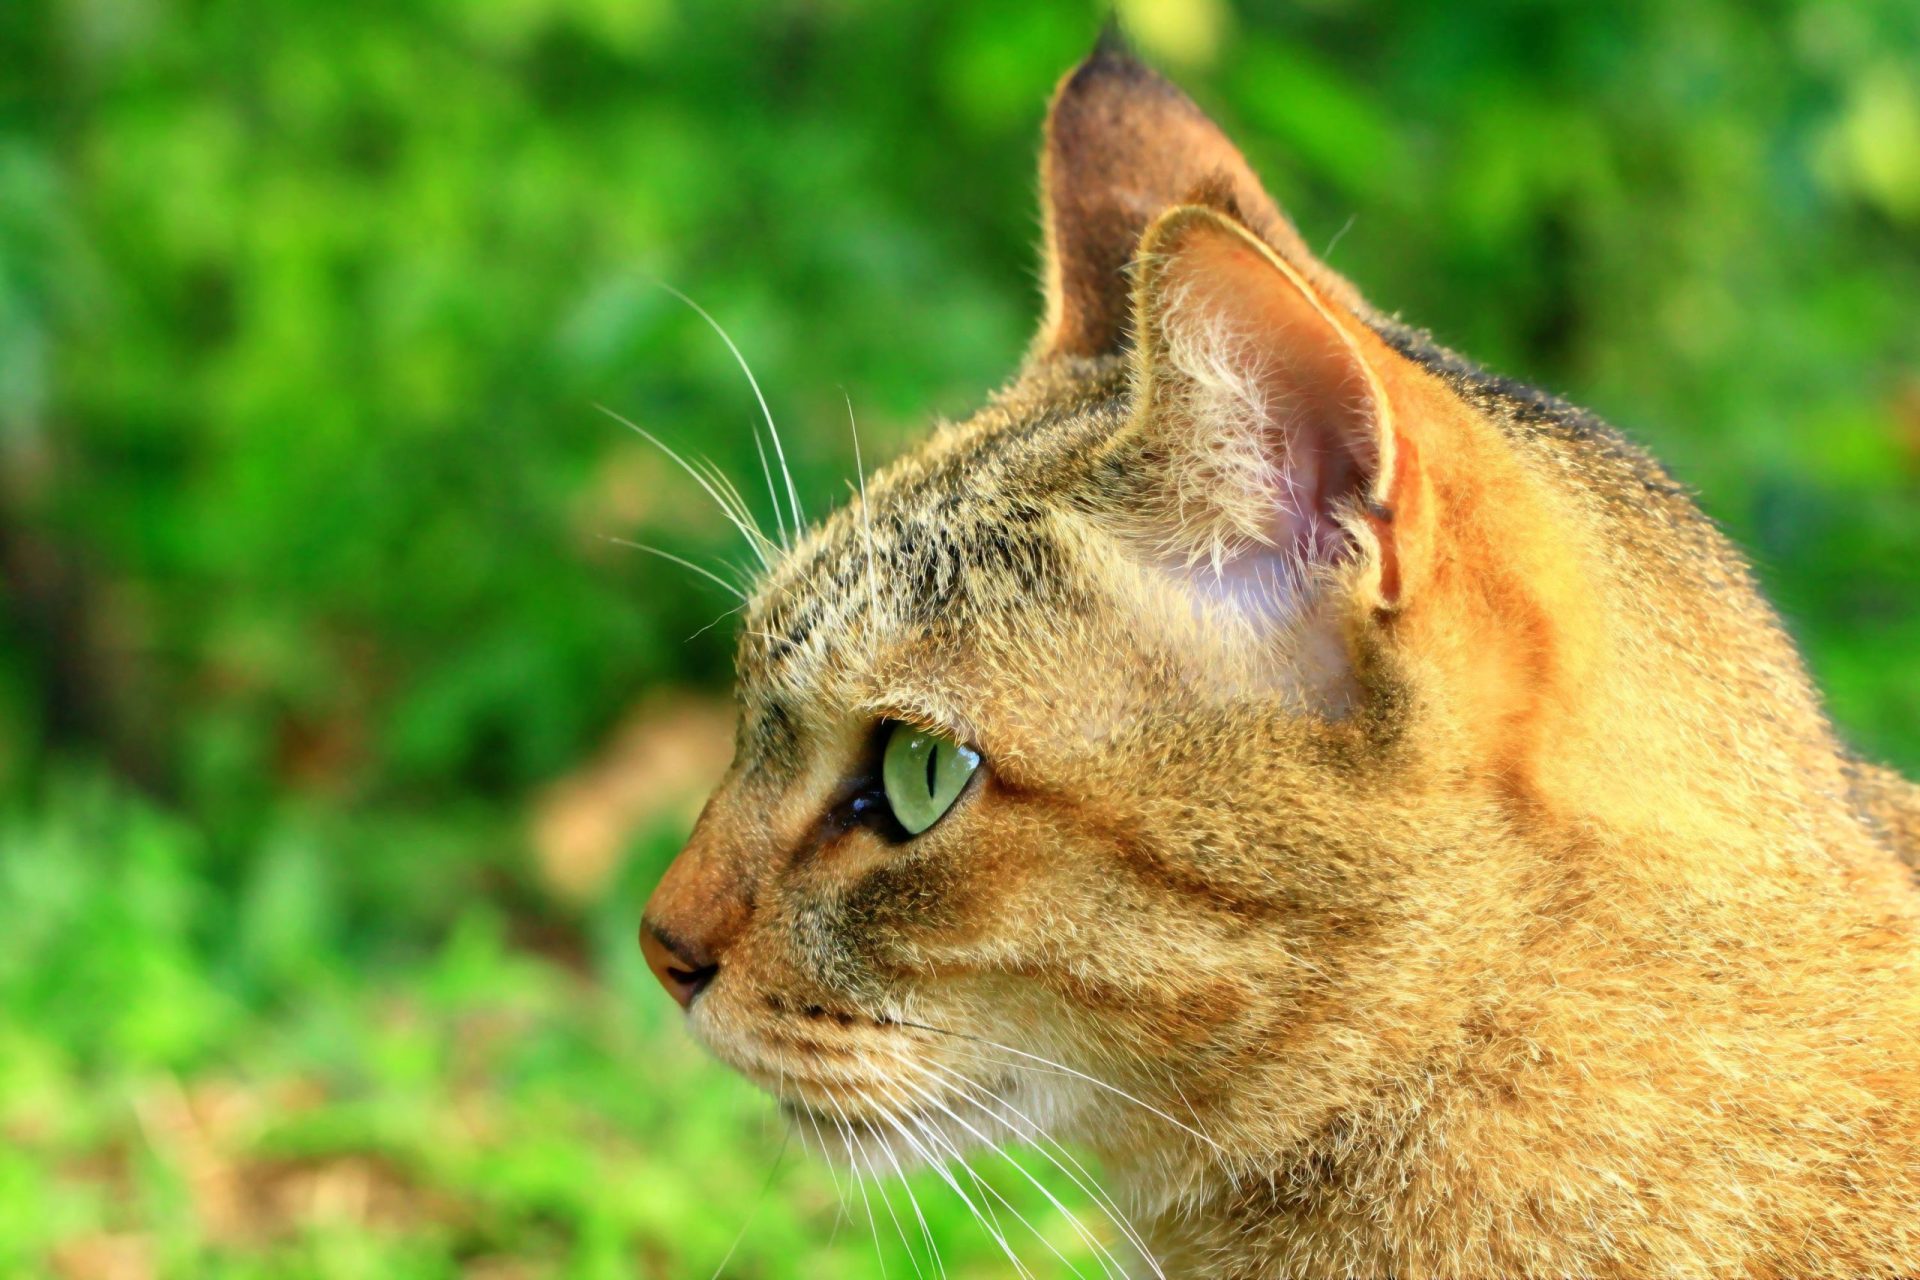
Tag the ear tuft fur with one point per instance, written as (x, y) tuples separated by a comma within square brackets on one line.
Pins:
[(1112, 41), (1266, 427)]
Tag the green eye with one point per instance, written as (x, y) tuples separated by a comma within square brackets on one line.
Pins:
[(924, 774)]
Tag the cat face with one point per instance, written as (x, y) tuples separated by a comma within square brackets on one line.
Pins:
[(1170, 588), (1100, 883)]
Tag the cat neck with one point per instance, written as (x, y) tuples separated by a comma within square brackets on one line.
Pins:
[(1598, 1104)]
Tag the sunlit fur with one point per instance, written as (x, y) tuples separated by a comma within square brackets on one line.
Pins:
[(1565, 939)]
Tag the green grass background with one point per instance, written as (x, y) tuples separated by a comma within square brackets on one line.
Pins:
[(305, 591)]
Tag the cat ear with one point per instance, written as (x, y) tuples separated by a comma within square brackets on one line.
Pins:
[(1122, 147), (1264, 433)]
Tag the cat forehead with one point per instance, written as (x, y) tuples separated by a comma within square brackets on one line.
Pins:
[(958, 530)]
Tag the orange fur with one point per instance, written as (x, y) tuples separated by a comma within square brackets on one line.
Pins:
[(1491, 897)]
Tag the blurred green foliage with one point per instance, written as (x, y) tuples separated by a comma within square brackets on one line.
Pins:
[(305, 501)]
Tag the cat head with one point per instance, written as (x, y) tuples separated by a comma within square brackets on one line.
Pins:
[(1114, 765)]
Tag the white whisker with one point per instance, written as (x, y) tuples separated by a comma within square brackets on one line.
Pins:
[(793, 496), (933, 1158), (988, 1189), (748, 529), (1040, 1139), (913, 1201), (757, 1201), (826, 1158), (1077, 1074), (729, 492), (1109, 1264), (717, 621), (773, 494), (886, 1201), (854, 1152), (866, 515), (684, 563)]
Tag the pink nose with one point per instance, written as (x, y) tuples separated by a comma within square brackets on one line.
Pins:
[(683, 970)]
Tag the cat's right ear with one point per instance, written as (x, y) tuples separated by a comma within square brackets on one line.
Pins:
[(1122, 147)]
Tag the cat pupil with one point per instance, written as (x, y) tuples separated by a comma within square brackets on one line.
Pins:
[(933, 763)]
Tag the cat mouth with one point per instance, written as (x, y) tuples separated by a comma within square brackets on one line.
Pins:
[(860, 1084), (846, 1100)]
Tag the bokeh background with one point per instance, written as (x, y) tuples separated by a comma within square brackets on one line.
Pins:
[(339, 744)]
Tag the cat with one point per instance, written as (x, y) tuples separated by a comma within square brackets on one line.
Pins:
[(1360, 798)]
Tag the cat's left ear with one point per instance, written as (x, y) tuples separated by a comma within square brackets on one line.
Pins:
[(1266, 438)]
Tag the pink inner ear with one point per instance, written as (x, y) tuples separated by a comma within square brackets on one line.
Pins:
[(1257, 327)]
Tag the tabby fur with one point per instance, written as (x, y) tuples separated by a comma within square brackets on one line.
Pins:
[(1474, 886)]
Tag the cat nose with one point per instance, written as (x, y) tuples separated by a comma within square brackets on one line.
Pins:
[(684, 970), (699, 908)]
